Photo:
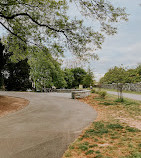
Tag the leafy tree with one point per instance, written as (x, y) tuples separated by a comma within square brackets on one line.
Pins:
[(38, 22), (18, 78), (88, 79), (134, 75), (69, 78), (79, 74), (45, 70), (116, 75), (13, 76)]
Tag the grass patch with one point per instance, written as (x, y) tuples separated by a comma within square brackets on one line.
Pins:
[(114, 126), (131, 129), (108, 137), (134, 155), (84, 146), (89, 152), (107, 103), (127, 102)]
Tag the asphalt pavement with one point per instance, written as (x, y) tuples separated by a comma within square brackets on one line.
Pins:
[(128, 95), (45, 127)]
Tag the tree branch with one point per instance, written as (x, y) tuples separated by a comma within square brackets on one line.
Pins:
[(12, 32), (36, 22)]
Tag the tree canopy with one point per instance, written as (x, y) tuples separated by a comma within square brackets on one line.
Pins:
[(114, 75), (122, 75), (45, 70), (88, 79), (18, 76), (47, 22)]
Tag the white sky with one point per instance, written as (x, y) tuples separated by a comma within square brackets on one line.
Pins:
[(123, 48)]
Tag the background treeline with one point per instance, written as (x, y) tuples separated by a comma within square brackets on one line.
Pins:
[(122, 75), (40, 69)]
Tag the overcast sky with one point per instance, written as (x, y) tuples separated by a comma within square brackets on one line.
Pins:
[(123, 48)]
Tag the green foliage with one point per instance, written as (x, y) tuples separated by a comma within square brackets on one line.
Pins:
[(134, 75), (121, 75), (17, 73), (47, 22), (88, 79), (79, 74), (102, 94), (69, 78), (114, 75), (18, 79), (45, 70), (76, 76)]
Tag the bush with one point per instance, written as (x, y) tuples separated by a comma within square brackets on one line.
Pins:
[(93, 91), (103, 94)]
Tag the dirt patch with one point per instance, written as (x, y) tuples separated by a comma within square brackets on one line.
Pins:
[(11, 104)]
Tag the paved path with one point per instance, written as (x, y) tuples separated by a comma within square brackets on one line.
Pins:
[(128, 95), (45, 127)]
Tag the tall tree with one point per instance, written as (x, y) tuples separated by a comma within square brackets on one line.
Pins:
[(79, 74), (116, 75), (38, 22), (45, 70), (88, 79), (69, 78), (18, 78)]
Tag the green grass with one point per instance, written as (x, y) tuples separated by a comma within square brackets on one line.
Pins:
[(115, 126), (104, 139), (119, 135), (84, 146), (131, 107), (89, 152)]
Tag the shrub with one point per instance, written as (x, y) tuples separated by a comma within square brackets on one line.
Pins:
[(93, 91), (103, 94)]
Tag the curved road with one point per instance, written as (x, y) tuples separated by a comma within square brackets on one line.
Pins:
[(128, 95), (45, 127)]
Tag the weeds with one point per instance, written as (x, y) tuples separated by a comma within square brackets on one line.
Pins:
[(103, 94)]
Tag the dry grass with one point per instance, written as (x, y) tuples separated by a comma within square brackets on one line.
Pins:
[(11, 104), (113, 134)]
